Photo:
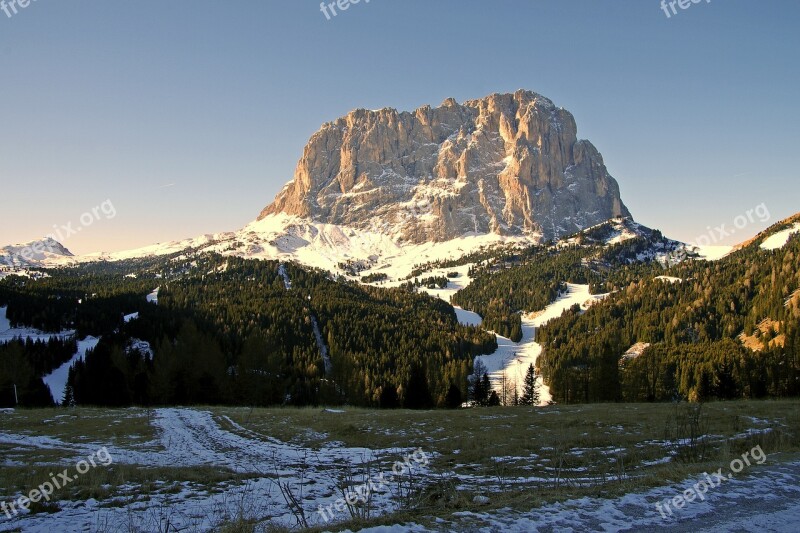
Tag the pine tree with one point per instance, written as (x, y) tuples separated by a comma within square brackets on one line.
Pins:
[(418, 395), (486, 390), (530, 390), (479, 391), (494, 400), (453, 398)]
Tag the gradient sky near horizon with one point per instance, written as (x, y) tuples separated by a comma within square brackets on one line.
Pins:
[(191, 115)]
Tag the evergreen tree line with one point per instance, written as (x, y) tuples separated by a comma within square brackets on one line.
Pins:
[(694, 328), (227, 331), (24, 363)]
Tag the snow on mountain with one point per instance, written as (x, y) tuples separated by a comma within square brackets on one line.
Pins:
[(713, 252), (778, 240), (608, 232), (283, 237), (33, 254), (509, 164), (153, 297)]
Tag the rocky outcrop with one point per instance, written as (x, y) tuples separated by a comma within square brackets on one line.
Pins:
[(508, 163)]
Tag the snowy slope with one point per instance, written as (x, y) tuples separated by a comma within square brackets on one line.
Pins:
[(287, 238), (513, 358), (713, 252), (779, 239), (57, 380)]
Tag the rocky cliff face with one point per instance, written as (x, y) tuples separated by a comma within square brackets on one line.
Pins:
[(508, 163)]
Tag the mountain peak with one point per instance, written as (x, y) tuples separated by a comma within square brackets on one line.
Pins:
[(32, 254), (509, 164)]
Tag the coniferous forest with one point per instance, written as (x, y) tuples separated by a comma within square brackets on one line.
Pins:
[(227, 330)]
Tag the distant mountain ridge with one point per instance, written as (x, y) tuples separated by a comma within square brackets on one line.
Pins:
[(32, 254), (509, 164)]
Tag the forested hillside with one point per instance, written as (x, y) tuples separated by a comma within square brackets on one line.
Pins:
[(228, 330), (531, 279), (693, 324)]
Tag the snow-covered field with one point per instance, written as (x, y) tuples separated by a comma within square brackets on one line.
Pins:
[(763, 497), (192, 438), (769, 500), (713, 252)]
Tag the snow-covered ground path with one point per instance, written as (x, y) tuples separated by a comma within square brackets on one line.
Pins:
[(767, 500), (190, 438)]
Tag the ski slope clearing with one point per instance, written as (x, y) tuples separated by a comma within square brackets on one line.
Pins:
[(779, 240), (713, 252), (512, 359), (7, 333), (57, 380), (153, 296)]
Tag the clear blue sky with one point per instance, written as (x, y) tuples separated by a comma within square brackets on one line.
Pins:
[(190, 115)]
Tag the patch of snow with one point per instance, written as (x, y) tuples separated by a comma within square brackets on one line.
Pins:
[(7, 333), (513, 359), (153, 296), (468, 318), (713, 252), (141, 346), (766, 500), (779, 239)]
